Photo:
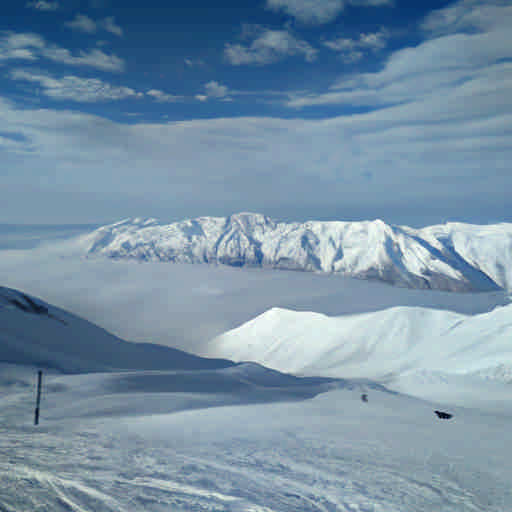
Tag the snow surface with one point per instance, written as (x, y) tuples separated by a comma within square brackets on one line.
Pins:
[(34, 332), (99, 448), (383, 345), (241, 438), (453, 257)]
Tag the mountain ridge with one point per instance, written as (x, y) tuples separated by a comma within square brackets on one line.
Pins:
[(452, 257), (382, 345), (37, 333)]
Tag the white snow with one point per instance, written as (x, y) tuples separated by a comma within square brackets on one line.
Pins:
[(384, 345), (454, 256), (34, 332), (249, 439), (99, 450)]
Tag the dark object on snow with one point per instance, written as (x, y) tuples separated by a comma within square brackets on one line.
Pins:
[(38, 399), (443, 415), (364, 397)]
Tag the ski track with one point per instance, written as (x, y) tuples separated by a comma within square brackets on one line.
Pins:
[(92, 465)]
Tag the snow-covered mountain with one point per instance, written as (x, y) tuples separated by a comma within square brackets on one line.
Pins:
[(383, 345), (35, 333), (452, 257)]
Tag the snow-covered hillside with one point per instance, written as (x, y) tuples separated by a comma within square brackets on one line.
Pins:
[(244, 438), (452, 257), (384, 345), (35, 333)]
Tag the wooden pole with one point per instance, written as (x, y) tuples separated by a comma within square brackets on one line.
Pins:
[(38, 400)]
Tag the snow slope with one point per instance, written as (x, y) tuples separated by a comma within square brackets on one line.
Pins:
[(237, 438), (98, 449), (453, 257), (33, 332), (383, 345)]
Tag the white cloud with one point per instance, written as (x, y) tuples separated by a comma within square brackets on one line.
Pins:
[(269, 46), (419, 154), (440, 66), (32, 47), (214, 89), (162, 97), (87, 90), (309, 11), (20, 46), (468, 16), (94, 58), (317, 12), (193, 63), (82, 23), (353, 50), (110, 25), (43, 5), (442, 136)]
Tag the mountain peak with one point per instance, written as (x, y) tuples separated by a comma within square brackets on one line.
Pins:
[(452, 257)]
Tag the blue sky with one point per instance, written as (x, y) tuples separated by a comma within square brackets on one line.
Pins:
[(299, 109)]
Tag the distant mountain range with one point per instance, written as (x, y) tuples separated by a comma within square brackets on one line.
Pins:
[(452, 257)]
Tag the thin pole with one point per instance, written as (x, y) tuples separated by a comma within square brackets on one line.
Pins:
[(38, 400)]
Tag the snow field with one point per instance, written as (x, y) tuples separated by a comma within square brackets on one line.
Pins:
[(329, 453), (384, 345)]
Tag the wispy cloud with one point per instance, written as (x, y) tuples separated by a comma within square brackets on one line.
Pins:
[(15, 46), (442, 149), (73, 88), (318, 12), (162, 97), (93, 58), (457, 56), (353, 50), (268, 46), (469, 16), (110, 25), (82, 23), (32, 47), (43, 5), (193, 63)]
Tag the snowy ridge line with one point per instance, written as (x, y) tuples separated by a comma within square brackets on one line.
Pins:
[(383, 346), (451, 257), (37, 333)]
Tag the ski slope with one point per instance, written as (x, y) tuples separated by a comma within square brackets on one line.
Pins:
[(99, 449), (244, 438)]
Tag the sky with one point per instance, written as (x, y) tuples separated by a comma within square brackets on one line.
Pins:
[(298, 109)]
